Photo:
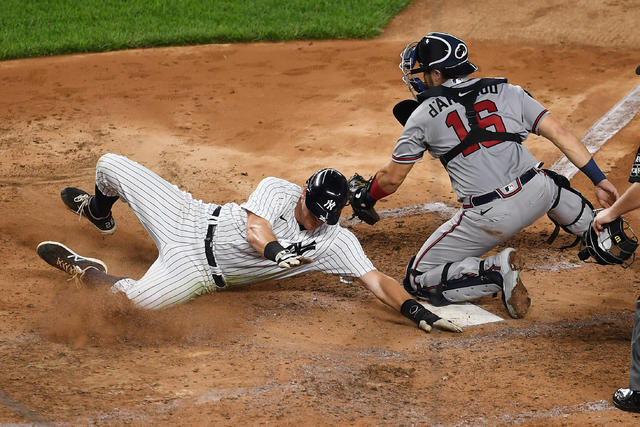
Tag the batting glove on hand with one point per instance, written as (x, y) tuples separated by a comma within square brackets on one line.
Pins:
[(425, 319), (288, 259)]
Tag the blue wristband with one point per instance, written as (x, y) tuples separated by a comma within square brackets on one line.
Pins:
[(593, 172)]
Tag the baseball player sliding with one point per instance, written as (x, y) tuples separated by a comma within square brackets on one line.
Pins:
[(282, 230), (476, 128)]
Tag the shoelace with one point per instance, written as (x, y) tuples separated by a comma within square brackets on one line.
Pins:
[(84, 199), (76, 273)]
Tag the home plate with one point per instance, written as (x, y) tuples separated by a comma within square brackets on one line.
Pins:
[(463, 314)]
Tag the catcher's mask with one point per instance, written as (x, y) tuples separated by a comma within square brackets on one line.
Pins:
[(616, 244), (441, 51), (326, 195)]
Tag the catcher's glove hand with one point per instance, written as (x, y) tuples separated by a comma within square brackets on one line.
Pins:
[(361, 202)]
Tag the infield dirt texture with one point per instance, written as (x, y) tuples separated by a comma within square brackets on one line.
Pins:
[(215, 120)]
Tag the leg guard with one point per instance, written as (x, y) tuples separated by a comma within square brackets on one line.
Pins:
[(571, 211), (463, 289)]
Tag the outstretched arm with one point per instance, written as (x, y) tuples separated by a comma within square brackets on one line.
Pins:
[(629, 201), (390, 292), (578, 154)]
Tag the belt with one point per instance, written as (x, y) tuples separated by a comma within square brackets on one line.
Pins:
[(208, 248), (504, 192)]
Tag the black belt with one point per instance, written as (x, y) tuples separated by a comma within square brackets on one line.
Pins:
[(496, 194), (217, 278)]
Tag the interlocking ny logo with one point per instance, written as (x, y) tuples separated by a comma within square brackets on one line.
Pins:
[(330, 204)]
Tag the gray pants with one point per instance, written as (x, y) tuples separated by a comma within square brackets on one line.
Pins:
[(634, 371), (473, 231)]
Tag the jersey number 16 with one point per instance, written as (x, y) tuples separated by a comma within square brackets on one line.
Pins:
[(454, 121)]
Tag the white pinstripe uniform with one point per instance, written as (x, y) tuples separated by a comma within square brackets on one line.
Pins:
[(178, 225)]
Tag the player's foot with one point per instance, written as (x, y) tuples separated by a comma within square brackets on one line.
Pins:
[(78, 201), (514, 295), (627, 400), (61, 257)]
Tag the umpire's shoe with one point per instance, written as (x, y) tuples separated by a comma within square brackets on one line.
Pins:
[(627, 400), (78, 201), (61, 257), (514, 295)]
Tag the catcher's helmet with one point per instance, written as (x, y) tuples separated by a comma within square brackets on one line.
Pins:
[(615, 244), (441, 51), (326, 195)]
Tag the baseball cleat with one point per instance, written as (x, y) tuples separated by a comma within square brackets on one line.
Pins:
[(61, 257), (78, 201), (627, 400), (514, 295)]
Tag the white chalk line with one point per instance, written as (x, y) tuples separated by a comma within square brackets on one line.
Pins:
[(547, 414), (602, 130)]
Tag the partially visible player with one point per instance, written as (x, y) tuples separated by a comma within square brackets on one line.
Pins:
[(281, 231), (476, 127), (627, 399)]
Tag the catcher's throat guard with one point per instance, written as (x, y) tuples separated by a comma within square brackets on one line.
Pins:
[(615, 245)]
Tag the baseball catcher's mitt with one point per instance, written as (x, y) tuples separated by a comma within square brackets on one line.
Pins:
[(361, 202)]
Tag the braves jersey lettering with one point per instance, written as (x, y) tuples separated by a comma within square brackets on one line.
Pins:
[(178, 225), (437, 106), (482, 167)]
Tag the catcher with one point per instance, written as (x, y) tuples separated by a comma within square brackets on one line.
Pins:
[(475, 127), (281, 231)]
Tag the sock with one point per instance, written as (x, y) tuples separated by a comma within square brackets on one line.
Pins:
[(100, 205)]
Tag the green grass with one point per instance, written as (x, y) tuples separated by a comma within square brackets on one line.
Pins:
[(51, 27)]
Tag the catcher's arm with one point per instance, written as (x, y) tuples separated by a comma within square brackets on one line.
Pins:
[(363, 193), (390, 292), (260, 236)]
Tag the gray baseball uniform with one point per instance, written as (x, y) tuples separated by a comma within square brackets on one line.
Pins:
[(202, 247), (498, 182)]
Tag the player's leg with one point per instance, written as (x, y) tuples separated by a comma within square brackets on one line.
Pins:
[(179, 275), (628, 399), (165, 211), (449, 268)]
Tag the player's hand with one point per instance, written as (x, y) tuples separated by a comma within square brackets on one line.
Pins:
[(603, 216), (606, 193), (287, 259), (443, 324), (428, 320)]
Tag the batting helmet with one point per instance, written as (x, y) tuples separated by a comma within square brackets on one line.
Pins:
[(326, 195), (441, 51), (615, 244)]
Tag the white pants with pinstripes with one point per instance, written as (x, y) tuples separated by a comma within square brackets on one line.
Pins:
[(176, 222)]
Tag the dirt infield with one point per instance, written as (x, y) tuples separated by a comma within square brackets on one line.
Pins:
[(215, 120)]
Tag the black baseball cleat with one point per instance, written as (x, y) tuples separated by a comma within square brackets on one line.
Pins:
[(61, 257), (78, 201), (627, 400)]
